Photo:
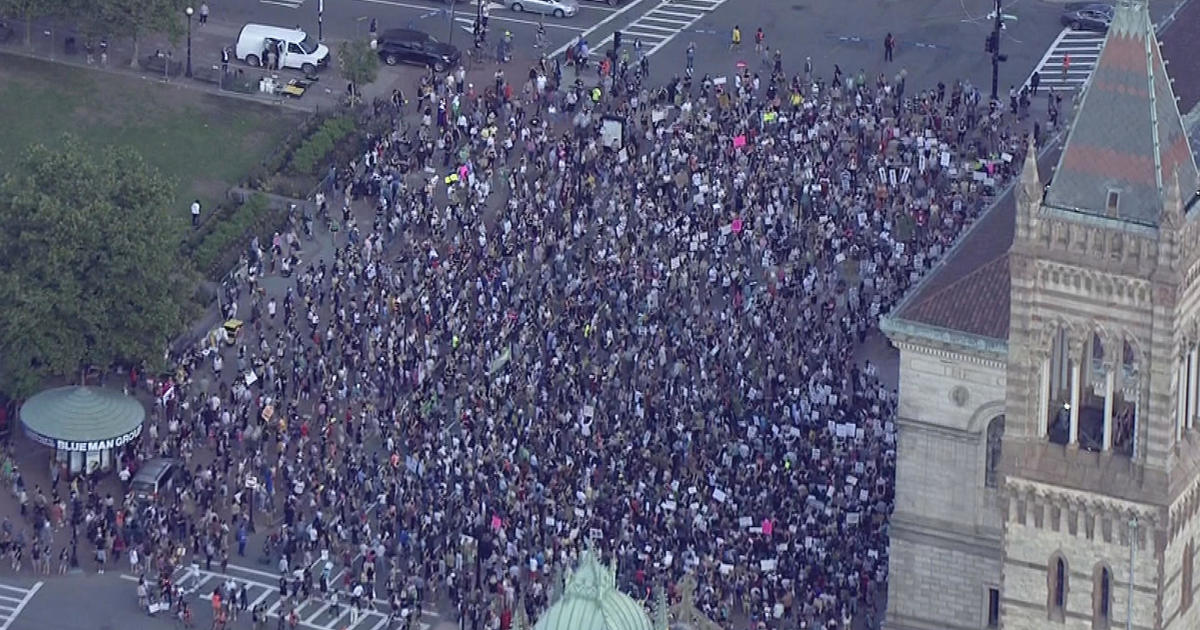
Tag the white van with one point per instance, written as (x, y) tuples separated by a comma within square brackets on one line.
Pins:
[(295, 48)]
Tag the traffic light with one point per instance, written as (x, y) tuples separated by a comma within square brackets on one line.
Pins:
[(617, 40), (990, 46)]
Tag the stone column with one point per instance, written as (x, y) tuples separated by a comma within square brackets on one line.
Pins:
[(1110, 382), (1073, 434), (1180, 398), (1193, 368), (1044, 400)]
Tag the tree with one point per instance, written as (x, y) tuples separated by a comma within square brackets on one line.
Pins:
[(29, 10), (359, 63), (134, 19), (88, 274)]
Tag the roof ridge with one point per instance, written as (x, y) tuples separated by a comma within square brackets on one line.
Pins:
[(1151, 42)]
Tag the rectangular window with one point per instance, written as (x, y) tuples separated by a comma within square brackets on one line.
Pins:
[(993, 608), (1185, 582)]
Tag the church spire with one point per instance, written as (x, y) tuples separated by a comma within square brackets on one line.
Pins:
[(1127, 137), (661, 613)]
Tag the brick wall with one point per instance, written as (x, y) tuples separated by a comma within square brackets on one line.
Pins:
[(1028, 551), (946, 588)]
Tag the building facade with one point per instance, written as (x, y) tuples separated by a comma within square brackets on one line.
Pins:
[(1050, 383)]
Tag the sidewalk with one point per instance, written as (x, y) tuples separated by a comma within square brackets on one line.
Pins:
[(50, 43)]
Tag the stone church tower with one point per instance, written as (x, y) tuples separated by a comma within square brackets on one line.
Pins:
[(1049, 454)]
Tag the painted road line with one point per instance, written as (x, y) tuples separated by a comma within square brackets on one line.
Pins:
[(317, 614), (1084, 49), (595, 27), (284, 3), (21, 606), (491, 18)]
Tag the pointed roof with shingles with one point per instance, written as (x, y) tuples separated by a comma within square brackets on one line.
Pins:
[(1127, 136)]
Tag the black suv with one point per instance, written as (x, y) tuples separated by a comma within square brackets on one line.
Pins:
[(402, 45)]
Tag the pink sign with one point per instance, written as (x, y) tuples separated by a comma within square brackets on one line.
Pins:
[(496, 522), (739, 141), (767, 527), (462, 171), (736, 226)]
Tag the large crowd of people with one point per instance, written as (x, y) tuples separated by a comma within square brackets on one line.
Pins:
[(561, 315)]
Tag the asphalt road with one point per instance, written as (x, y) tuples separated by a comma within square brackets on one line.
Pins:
[(943, 40)]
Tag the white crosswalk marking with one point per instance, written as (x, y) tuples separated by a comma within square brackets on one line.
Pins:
[(1083, 47), (13, 600), (290, 4), (656, 28), (314, 614)]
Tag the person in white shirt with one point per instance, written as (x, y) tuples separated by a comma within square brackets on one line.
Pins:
[(196, 213)]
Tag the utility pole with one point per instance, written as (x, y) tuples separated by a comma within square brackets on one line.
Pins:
[(320, 20), (993, 47)]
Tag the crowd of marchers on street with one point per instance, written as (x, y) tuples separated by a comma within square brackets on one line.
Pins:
[(615, 315)]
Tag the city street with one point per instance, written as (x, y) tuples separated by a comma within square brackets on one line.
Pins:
[(943, 42)]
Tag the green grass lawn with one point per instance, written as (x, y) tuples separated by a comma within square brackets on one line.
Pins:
[(206, 142)]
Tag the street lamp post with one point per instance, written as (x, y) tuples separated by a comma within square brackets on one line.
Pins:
[(320, 20), (993, 46), (189, 13)]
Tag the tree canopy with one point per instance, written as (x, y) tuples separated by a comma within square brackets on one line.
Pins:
[(359, 63), (88, 263)]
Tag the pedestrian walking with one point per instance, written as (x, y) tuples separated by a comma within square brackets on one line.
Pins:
[(1066, 66), (735, 38), (195, 216), (1034, 81), (203, 13), (758, 40), (691, 58), (889, 47)]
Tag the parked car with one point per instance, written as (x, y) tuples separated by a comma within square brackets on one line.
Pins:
[(155, 477), (298, 49), (403, 45), (1087, 16), (557, 8)]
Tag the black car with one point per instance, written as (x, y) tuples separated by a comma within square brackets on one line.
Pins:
[(402, 45), (1087, 16)]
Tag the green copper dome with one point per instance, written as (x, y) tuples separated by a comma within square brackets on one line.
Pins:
[(591, 601)]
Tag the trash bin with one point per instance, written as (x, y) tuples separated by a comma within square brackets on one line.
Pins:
[(70, 46)]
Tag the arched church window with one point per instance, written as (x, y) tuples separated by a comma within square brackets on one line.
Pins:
[(1058, 582), (1185, 578), (995, 433), (1102, 598)]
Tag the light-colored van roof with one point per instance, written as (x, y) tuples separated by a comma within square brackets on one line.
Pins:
[(276, 32)]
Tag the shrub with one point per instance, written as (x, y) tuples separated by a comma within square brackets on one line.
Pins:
[(312, 153), (226, 235)]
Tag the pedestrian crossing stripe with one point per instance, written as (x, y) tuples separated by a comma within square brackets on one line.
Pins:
[(13, 600), (1084, 50), (310, 611), (289, 4), (676, 15)]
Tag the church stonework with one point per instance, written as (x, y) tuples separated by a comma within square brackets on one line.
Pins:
[(1048, 467)]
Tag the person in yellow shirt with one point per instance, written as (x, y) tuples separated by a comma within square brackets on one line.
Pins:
[(735, 40)]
